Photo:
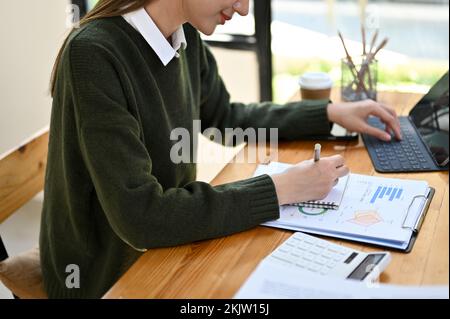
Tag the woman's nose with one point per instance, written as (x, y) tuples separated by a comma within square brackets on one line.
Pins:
[(241, 7)]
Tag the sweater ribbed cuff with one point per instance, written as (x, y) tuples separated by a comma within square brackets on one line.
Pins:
[(312, 117), (262, 200)]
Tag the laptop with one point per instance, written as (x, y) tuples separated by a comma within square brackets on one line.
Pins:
[(425, 141)]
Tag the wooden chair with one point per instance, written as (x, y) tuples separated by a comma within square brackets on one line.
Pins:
[(21, 178)]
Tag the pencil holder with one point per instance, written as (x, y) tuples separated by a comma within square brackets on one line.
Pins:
[(359, 78)]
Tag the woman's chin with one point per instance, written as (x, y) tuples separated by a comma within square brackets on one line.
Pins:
[(207, 29)]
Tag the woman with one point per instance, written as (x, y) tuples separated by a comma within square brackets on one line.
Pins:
[(133, 72)]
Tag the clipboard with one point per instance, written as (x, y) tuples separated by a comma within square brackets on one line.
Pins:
[(414, 218), (417, 225), (420, 219), (415, 229)]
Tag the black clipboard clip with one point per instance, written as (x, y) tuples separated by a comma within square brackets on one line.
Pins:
[(418, 223)]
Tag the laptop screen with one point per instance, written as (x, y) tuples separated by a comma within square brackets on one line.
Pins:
[(430, 116)]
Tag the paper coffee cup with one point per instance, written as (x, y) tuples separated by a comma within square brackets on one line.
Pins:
[(315, 86)]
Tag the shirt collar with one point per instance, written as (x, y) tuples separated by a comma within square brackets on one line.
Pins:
[(144, 24)]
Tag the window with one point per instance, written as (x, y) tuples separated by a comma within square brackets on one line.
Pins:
[(304, 38)]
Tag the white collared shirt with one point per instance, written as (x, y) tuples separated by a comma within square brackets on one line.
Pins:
[(143, 23)]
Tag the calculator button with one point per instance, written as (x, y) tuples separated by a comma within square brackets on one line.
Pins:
[(296, 255), (321, 245), (282, 259), (319, 263), (309, 256), (327, 254), (283, 250), (314, 268), (310, 241), (301, 266)]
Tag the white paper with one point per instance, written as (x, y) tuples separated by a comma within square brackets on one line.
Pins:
[(335, 196), (275, 282), (373, 209)]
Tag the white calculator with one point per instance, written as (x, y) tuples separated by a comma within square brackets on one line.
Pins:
[(319, 256)]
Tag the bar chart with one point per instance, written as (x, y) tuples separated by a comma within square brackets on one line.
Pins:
[(386, 193)]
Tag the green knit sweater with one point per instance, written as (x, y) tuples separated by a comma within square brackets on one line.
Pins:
[(111, 189)]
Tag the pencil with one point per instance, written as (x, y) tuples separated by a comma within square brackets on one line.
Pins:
[(317, 149)]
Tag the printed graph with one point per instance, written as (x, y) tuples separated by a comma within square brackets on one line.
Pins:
[(366, 218), (386, 193), (312, 211)]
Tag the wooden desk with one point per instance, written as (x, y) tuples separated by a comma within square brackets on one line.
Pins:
[(217, 268)]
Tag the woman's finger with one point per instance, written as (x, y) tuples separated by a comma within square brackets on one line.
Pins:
[(388, 130), (393, 113), (380, 134), (342, 171), (387, 119), (389, 109), (338, 160)]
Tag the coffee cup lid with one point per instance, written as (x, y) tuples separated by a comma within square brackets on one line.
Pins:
[(315, 81)]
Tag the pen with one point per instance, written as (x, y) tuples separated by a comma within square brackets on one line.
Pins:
[(317, 148)]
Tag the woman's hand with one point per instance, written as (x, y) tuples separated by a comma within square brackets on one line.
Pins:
[(353, 116), (309, 180)]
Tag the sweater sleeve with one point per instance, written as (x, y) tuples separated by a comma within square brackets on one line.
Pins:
[(139, 210), (293, 120)]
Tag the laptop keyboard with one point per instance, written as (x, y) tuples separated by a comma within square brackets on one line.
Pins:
[(407, 155)]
